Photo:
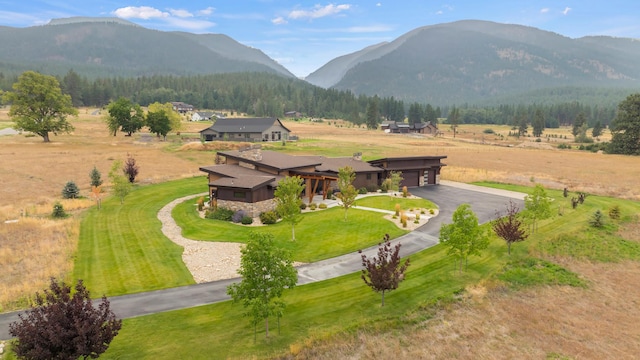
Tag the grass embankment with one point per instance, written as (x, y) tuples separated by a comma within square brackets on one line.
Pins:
[(341, 307), (321, 234), (121, 248), (389, 203)]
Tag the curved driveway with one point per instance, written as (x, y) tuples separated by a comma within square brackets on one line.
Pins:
[(448, 196)]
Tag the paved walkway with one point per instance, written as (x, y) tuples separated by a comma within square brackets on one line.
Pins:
[(484, 202)]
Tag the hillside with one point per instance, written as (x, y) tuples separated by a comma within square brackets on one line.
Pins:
[(473, 61), (106, 46)]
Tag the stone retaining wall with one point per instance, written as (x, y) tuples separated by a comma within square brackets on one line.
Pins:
[(251, 209)]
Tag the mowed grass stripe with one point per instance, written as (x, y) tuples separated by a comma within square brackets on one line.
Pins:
[(121, 247)]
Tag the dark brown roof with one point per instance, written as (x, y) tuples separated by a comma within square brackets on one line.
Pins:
[(273, 159), (240, 176), (249, 182), (334, 164), (244, 125)]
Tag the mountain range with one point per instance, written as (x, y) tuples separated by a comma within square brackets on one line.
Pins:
[(461, 62)]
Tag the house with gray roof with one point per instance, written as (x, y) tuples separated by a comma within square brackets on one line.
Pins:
[(246, 129), (247, 178)]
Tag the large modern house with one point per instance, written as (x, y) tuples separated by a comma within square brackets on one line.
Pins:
[(248, 178), (246, 129), (395, 127)]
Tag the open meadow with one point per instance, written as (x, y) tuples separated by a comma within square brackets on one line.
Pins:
[(489, 317)]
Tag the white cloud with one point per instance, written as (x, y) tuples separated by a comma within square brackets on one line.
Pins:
[(206, 12), (190, 24), (379, 4), (139, 12), (439, 12), (279, 21), (318, 11), (544, 10), (181, 13), (566, 10)]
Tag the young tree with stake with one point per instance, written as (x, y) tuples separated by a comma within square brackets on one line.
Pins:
[(509, 227), (385, 272), (266, 272), (348, 192), (464, 236), (288, 201)]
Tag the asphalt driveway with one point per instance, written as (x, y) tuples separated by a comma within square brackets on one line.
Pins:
[(448, 196)]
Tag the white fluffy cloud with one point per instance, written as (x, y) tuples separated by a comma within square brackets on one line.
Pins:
[(140, 12), (566, 10), (319, 11), (181, 13), (206, 12), (544, 10), (279, 21)]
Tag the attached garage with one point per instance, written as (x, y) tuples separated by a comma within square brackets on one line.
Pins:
[(416, 170)]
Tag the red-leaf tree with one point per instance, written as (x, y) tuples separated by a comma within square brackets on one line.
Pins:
[(510, 227), (64, 326), (385, 272)]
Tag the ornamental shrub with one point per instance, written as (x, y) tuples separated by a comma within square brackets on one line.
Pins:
[(221, 213), (247, 220), (362, 190), (268, 217), (238, 216), (313, 206), (303, 206), (58, 211), (322, 206)]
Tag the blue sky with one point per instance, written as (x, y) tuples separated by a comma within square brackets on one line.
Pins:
[(302, 35)]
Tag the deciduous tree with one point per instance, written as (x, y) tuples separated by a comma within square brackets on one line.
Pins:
[(509, 227), (625, 128), (38, 105), (464, 236), (385, 272), (537, 206), (288, 201), (348, 192), (266, 272), (64, 326), (158, 123), (125, 116), (175, 120), (119, 183), (131, 168)]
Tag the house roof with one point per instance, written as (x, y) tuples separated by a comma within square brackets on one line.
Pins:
[(333, 165), (205, 113), (240, 177), (244, 125), (273, 159)]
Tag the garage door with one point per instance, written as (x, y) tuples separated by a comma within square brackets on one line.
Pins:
[(411, 179)]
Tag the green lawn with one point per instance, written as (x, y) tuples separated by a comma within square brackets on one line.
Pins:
[(343, 305), (121, 249), (387, 202), (320, 235)]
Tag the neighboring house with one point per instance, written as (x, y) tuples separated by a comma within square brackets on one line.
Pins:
[(395, 127), (181, 107), (246, 129), (293, 114), (248, 178), (202, 115)]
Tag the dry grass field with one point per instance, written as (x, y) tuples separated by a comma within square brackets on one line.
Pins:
[(491, 324)]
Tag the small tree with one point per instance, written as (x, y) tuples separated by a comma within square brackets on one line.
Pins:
[(464, 236), (597, 219), (58, 211), (119, 183), (597, 129), (131, 168), (70, 190), (395, 178), (509, 227), (124, 115), (385, 272), (62, 326), (96, 193), (96, 177), (538, 206), (614, 212), (158, 123), (288, 201), (266, 272), (348, 192)]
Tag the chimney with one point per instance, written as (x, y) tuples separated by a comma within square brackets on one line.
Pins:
[(357, 156)]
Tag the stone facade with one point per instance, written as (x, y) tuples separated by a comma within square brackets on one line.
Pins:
[(251, 209)]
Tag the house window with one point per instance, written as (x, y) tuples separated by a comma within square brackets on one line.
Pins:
[(368, 176), (238, 194)]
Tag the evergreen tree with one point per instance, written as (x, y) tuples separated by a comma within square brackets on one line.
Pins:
[(96, 177), (626, 127), (70, 190), (597, 129), (538, 123), (373, 116)]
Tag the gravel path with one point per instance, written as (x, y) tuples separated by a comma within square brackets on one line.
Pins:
[(207, 261)]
